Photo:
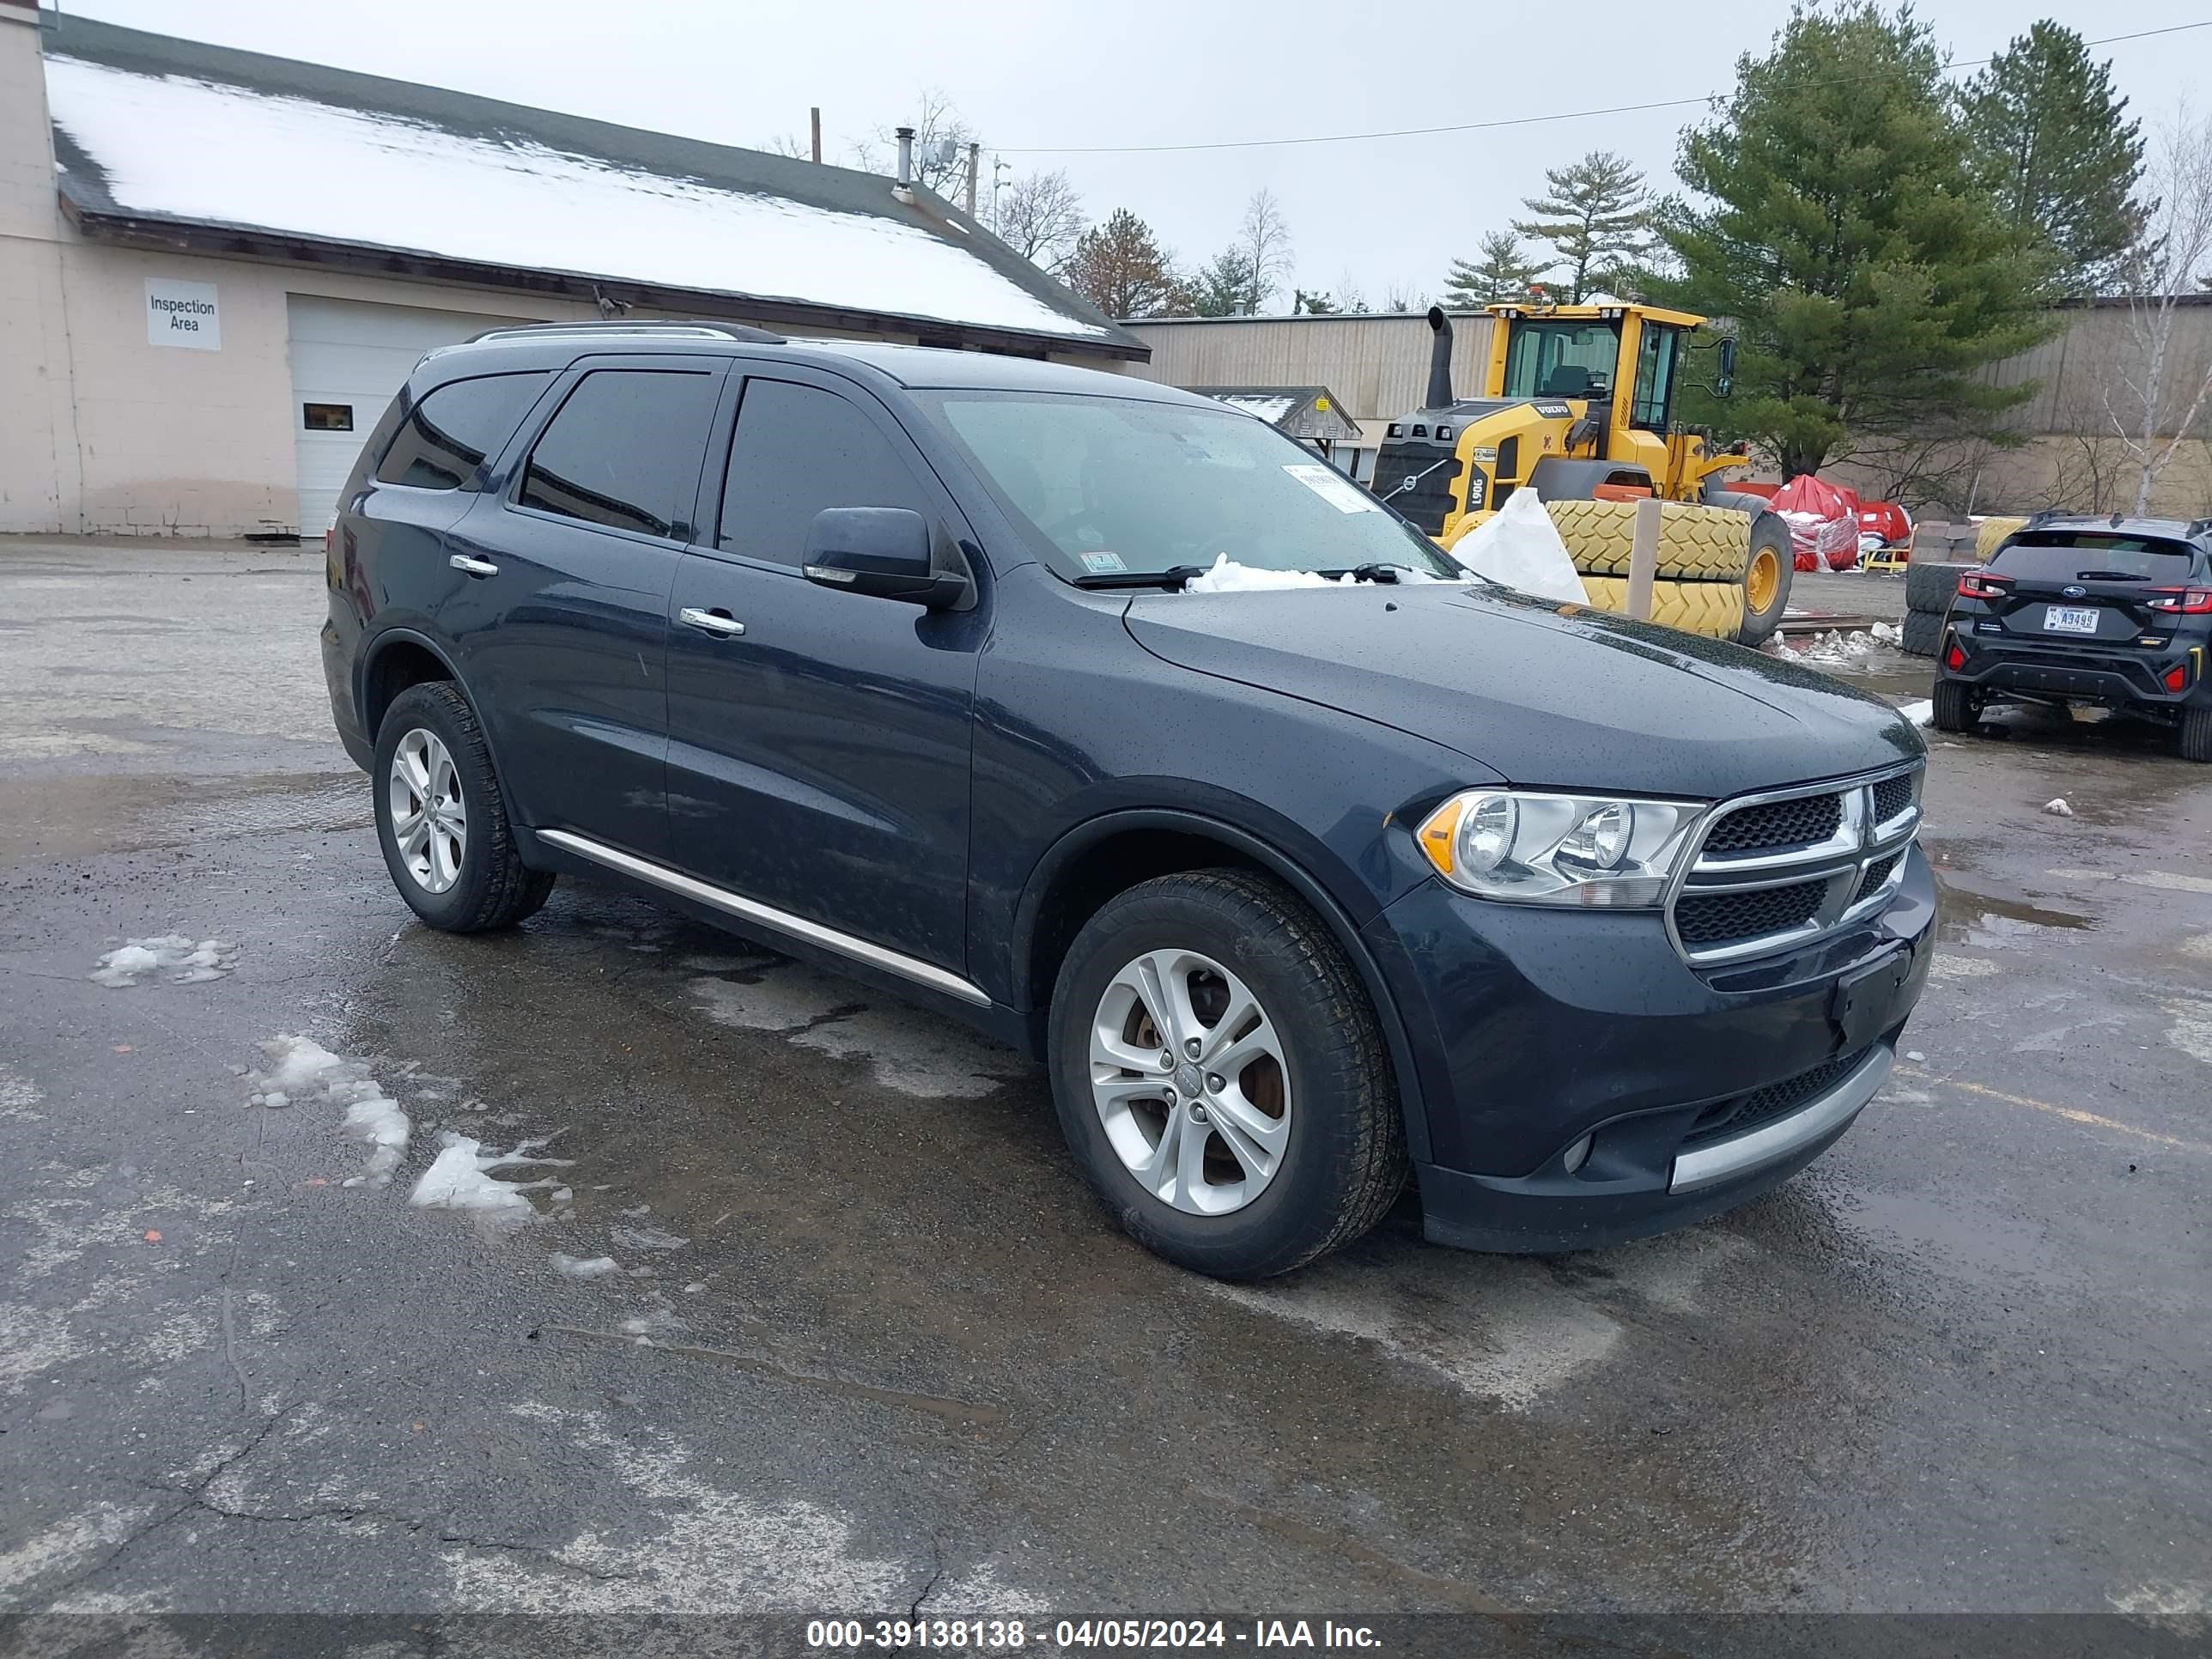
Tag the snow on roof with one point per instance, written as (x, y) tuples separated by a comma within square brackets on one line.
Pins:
[(1270, 410), (201, 150)]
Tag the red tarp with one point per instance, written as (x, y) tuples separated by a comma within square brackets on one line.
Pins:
[(1824, 523)]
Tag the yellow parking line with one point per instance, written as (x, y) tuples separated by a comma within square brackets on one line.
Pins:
[(2071, 1114)]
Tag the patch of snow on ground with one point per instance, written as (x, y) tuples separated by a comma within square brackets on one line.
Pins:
[(2058, 808), (1920, 714), (460, 1179), (569, 1267), (301, 1069), (187, 961), (2191, 1030), (1227, 576)]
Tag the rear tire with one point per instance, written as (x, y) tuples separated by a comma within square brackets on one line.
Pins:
[(441, 817), (1318, 1071), (1957, 708), (2196, 734)]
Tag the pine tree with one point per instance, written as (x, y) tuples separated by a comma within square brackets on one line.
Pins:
[(1225, 286), (1838, 219), (2049, 140), (1504, 273), (1120, 267), (1596, 214)]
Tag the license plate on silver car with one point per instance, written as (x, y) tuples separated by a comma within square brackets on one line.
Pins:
[(2069, 619)]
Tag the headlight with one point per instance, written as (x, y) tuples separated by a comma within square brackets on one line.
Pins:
[(1559, 850)]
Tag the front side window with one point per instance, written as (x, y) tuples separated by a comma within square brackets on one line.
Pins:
[(446, 435), (797, 450), (1561, 359), (1655, 377), (624, 451), (1110, 486)]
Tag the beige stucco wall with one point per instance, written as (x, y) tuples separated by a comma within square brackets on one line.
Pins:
[(103, 432)]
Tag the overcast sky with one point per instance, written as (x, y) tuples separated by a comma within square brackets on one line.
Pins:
[(1040, 77)]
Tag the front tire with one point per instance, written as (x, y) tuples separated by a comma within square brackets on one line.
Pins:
[(441, 817), (1956, 709), (1221, 1076)]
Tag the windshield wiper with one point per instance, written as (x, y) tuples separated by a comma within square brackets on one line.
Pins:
[(1379, 570), (1173, 576)]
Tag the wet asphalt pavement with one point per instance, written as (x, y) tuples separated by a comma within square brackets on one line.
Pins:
[(867, 1345)]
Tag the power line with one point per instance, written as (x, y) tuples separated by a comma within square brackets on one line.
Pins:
[(1505, 121)]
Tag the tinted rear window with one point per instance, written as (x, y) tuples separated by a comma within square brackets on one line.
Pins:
[(2071, 556), (446, 437), (624, 451)]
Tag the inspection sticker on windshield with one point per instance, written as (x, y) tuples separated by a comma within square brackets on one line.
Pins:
[(1332, 487), (1102, 564)]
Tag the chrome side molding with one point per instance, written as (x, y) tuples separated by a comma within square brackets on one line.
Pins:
[(767, 915)]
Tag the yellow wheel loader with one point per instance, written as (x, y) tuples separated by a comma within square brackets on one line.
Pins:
[(1577, 404)]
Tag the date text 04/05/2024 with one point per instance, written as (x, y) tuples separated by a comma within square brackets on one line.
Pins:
[(1005, 1635)]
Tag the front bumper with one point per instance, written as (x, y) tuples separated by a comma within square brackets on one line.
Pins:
[(1532, 1029)]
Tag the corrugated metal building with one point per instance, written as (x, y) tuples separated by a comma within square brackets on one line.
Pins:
[(1378, 366)]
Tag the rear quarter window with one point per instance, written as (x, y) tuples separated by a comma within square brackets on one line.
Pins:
[(444, 438)]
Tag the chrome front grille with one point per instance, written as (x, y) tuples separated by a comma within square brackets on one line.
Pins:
[(1773, 870)]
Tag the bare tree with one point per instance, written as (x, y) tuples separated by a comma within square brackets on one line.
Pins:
[(1040, 217), (935, 120), (1350, 296), (1263, 245), (791, 144), (2155, 400), (1404, 296)]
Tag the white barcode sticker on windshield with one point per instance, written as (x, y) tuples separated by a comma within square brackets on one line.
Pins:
[(1332, 486)]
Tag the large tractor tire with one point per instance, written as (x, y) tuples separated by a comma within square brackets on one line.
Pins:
[(1696, 542), (1923, 633), (1930, 584), (1713, 609), (1990, 534), (1767, 578)]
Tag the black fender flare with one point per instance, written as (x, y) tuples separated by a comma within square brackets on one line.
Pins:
[(400, 634), (1316, 895)]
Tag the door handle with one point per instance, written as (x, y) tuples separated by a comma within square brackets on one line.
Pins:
[(469, 566), (720, 624)]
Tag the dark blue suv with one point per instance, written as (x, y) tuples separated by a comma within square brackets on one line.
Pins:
[(1115, 723)]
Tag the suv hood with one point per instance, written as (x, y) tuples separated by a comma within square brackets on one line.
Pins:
[(1546, 696)]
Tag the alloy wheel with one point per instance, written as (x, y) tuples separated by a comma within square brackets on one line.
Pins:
[(1189, 1080), (429, 821)]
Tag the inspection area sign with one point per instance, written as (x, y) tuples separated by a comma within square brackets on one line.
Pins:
[(183, 314)]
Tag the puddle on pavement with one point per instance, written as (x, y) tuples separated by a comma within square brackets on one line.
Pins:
[(1997, 921), (77, 816)]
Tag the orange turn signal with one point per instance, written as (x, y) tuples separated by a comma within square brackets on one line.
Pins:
[(1437, 833)]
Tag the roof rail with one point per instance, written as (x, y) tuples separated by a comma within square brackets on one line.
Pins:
[(693, 330)]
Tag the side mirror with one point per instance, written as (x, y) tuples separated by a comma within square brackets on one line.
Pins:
[(885, 551), (1724, 380)]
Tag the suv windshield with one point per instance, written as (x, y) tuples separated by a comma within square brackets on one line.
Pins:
[(2066, 556), (1110, 486), (1561, 359)]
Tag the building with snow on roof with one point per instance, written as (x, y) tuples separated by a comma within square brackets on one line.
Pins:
[(216, 266)]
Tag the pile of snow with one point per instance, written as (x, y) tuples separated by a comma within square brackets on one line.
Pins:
[(301, 1069), (460, 1179), (569, 1267), (1888, 632), (2057, 807), (1227, 576), (1920, 714), (184, 961)]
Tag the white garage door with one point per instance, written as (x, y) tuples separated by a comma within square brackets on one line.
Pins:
[(349, 357)]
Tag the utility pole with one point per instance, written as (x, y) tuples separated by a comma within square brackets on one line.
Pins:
[(975, 155), (815, 116)]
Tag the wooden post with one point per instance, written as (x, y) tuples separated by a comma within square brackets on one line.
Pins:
[(815, 116), (1644, 558)]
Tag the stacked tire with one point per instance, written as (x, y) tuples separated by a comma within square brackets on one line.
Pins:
[(1928, 586), (1702, 579)]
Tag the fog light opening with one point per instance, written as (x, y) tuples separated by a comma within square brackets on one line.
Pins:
[(1577, 1155)]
